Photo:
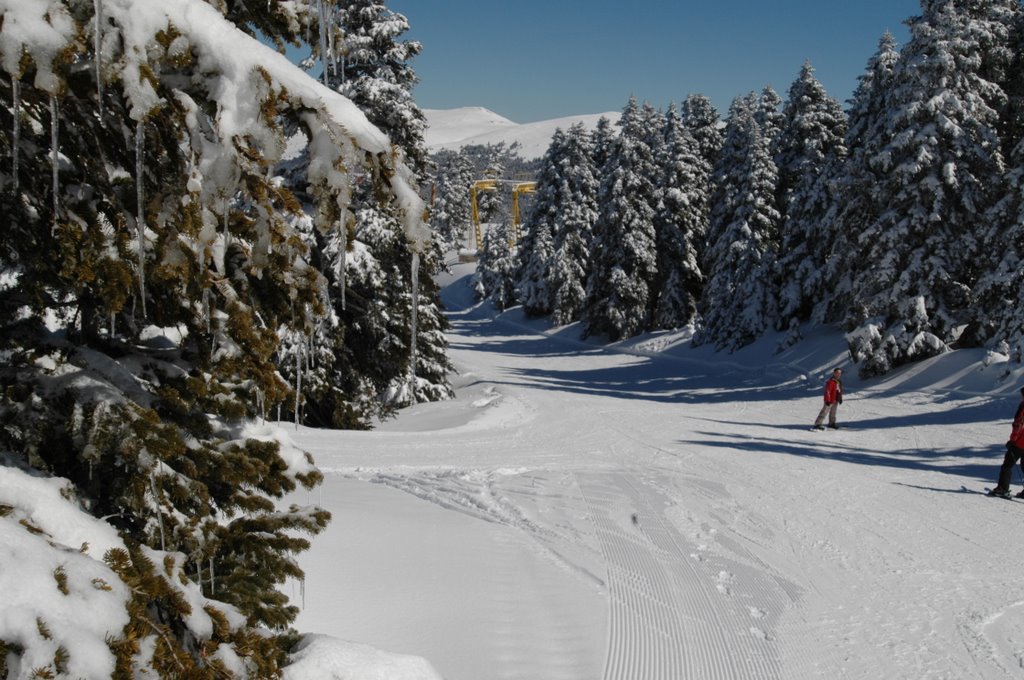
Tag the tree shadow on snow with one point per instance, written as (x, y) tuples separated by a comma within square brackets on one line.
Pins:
[(961, 462), (652, 383)]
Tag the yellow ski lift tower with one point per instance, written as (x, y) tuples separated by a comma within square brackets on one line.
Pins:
[(518, 188), (521, 188), (479, 185)]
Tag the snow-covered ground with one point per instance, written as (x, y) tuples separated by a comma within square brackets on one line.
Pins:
[(653, 511)]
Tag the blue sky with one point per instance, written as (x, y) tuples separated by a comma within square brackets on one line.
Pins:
[(534, 60)]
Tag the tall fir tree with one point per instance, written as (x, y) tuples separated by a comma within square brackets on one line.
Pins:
[(495, 278), (603, 139), (704, 123), (856, 182), (680, 224), (537, 247), (1013, 80), (450, 207), (810, 145), (376, 73), (738, 303), (578, 178), (942, 168), (378, 321), (624, 259), (555, 253), (997, 310), (769, 116), (370, 64), (150, 258)]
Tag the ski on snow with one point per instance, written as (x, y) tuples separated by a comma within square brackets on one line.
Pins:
[(1009, 497)]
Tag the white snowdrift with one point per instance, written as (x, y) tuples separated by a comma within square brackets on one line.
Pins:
[(319, 657), (56, 598)]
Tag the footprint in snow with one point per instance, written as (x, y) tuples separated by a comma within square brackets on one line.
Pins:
[(758, 633)]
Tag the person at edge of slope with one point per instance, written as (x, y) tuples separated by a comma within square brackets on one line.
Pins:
[(1014, 452), (833, 398)]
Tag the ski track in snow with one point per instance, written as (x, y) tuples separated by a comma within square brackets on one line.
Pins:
[(668, 618), (723, 550)]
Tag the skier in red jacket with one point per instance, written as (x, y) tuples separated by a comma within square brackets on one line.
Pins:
[(833, 398), (1014, 451)]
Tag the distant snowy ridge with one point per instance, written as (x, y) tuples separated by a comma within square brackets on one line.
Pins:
[(455, 128)]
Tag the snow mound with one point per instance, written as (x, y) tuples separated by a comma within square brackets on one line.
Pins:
[(321, 657), (58, 597)]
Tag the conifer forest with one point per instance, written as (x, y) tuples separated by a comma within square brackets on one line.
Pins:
[(897, 217)]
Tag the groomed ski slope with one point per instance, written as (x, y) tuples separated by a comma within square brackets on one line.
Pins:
[(650, 511)]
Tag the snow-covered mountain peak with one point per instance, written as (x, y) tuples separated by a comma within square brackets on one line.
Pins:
[(455, 128)]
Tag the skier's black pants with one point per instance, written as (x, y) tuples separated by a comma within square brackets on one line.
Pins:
[(1013, 454)]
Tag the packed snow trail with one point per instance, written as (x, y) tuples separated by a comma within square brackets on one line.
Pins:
[(648, 511)]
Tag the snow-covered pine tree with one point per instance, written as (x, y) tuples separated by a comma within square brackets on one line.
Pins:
[(680, 224), (624, 258), (769, 116), (602, 139), (495, 278), (855, 183), (493, 206), (943, 172), (369, 64), (537, 247), (492, 160), (701, 118), (810, 146), (653, 124), (148, 260), (1013, 80), (431, 378), (379, 332), (738, 303), (578, 183), (450, 210), (375, 72), (998, 317)]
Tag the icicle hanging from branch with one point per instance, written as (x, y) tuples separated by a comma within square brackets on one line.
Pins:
[(415, 277), (298, 380), (16, 133), (331, 47), (342, 256), (97, 46), (156, 502), (55, 157), (140, 225), (206, 305), (227, 233), (323, 37)]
